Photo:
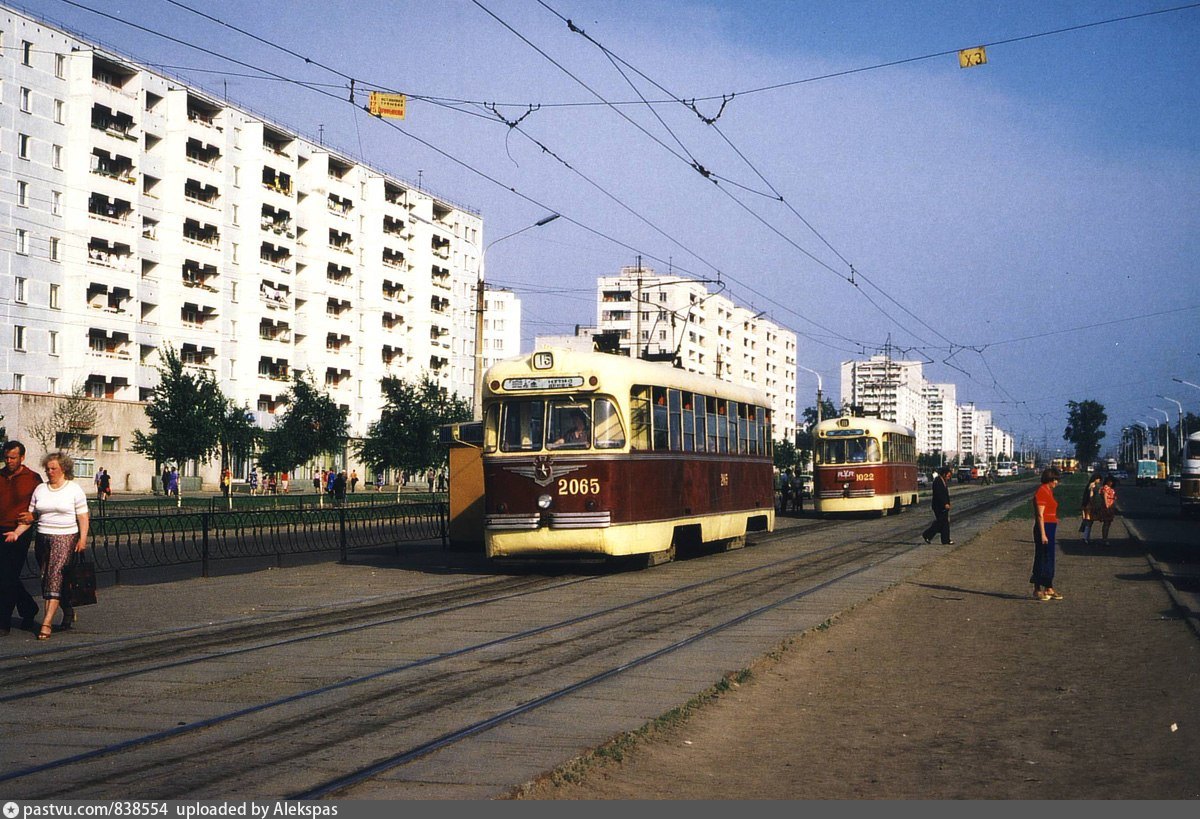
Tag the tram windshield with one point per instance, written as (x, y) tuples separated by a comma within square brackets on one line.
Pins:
[(533, 424), (860, 449)]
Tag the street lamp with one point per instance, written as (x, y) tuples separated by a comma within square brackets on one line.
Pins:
[(1189, 383), (477, 396), (1145, 439), (1178, 404), (818, 375), (1166, 438)]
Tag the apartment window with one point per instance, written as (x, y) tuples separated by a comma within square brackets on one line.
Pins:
[(60, 112), (56, 157), (52, 384), (234, 252), (233, 291), (56, 203), (53, 343), (18, 337), (26, 52), (110, 443), (19, 294), (23, 146), (26, 100), (23, 241), (18, 381), (60, 66), (23, 194), (234, 214), (54, 297), (53, 253), (237, 176)]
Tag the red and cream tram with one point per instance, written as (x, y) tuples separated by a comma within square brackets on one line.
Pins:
[(864, 465), (600, 454)]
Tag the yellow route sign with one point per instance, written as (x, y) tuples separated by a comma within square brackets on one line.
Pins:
[(387, 105), (969, 57)]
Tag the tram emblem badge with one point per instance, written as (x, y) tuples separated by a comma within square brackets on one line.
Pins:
[(543, 470)]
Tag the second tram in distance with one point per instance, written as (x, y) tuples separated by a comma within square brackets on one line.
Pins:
[(599, 454), (864, 465)]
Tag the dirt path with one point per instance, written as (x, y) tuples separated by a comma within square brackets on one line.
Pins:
[(953, 685)]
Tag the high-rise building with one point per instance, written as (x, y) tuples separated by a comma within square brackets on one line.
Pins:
[(674, 318), (138, 211)]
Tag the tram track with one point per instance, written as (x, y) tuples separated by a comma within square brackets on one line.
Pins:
[(368, 713)]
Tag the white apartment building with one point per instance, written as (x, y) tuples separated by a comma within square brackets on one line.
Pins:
[(501, 326), (897, 391), (941, 420), (138, 211), (893, 390), (673, 317)]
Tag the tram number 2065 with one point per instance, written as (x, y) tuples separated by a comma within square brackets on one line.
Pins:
[(579, 486)]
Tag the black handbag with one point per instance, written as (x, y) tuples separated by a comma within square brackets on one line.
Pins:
[(79, 582)]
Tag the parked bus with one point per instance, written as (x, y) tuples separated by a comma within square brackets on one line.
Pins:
[(864, 465), (599, 454), (1189, 476)]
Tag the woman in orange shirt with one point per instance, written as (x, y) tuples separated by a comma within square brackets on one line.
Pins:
[(1045, 523)]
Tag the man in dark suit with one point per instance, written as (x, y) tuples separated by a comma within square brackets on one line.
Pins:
[(941, 507)]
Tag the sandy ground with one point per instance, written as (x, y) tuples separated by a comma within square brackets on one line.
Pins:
[(953, 685)]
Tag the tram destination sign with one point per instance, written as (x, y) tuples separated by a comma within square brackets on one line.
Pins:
[(561, 382)]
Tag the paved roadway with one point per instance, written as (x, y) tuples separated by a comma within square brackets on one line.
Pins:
[(305, 627), (1172, 542)]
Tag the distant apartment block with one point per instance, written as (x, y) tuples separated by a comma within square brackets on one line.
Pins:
[(672, 317), (138, 211)]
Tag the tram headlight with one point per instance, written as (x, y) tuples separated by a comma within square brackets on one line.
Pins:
[(544, 501)]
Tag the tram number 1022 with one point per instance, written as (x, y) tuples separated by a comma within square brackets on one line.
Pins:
[(851, 475), (579, 486)]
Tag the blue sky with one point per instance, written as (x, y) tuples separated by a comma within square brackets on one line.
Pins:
[(1029, 227)]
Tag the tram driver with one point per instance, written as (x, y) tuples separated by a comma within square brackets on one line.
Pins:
[(575, 437)]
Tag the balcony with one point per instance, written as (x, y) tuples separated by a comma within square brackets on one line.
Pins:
[(336, 378), (275, 369), (116, 124), (202, 153), (336, 307), (279, 257), (277, 221), (197, 316), (277, 297), (391, 354), (108, 299), (391, 321), (341, 241), (338, 274), (113, 255), (277, 181), (113, 166), (394, 258), (337, 342), (394, 291), (274, 331), (109, 209), (439, 305), (277, 143), (207, 195), (109, 345), (100, 386), (396, 227), (339, 205), (199, 275), (201, 234), (197, 356)]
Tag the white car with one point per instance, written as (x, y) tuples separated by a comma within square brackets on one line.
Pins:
[(1173, 482)]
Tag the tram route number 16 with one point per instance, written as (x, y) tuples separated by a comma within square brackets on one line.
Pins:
[(579, 486)]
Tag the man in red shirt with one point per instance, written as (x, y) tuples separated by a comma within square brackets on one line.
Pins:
[(17, 483)]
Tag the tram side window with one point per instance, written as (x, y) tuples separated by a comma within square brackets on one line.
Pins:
[(755, 444), (639, 417), (609, 433), (689, 422), (744, 429), (711, 405), (701, 425), (674, 403), (764, 433), (723, 425), (523, 424), (661, 428)]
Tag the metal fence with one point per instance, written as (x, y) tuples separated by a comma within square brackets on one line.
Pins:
[(243, 502), (124, 542)]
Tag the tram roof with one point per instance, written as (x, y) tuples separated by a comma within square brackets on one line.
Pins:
[(614, 374), (869, 426)]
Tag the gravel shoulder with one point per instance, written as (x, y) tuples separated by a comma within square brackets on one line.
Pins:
[(955, 684)]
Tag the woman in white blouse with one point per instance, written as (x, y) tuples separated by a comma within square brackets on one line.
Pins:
[(59, 508)]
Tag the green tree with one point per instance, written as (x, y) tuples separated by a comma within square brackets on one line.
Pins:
[(406, 436), (311, 425), (1084, 422), (804, 435), (185, 411), (786, 455), (72, 417), (238, 433)]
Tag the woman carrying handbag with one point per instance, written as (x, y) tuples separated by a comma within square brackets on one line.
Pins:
[(59, 508)]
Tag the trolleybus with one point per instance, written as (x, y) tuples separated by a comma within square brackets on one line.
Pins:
[(1189, 476), (864, 465), (598, 454)]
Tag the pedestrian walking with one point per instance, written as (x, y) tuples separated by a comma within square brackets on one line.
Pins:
[(940, 502), (353, 480), (339, 487), (785, 489), (1104, 501), (283, 482), (254, 481), (226, 481), (173, 482), (379, 481), (17, 484), (1085, 510), (60, 509), (1045, 524)]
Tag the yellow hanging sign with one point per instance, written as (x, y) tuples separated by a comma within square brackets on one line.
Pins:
[(387, 105), (969, 57)]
